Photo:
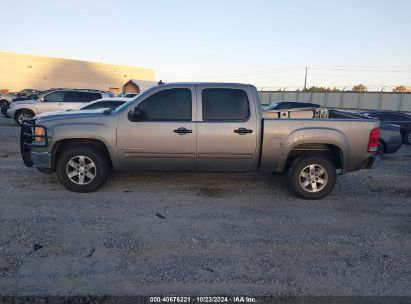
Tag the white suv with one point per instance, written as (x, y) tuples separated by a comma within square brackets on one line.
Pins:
[(57, 100)]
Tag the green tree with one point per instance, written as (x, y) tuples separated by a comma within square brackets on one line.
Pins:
[(322, 89), (360, 88), (401, 89)]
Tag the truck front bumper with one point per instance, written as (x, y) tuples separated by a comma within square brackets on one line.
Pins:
[(40, 160)]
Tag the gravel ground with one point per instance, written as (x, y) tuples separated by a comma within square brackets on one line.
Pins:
[(203, 233)]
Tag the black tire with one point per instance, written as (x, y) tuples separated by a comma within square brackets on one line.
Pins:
[(20, 115), (4, 105), (407, 138), (300, 167), (73, 183), (380, 149)]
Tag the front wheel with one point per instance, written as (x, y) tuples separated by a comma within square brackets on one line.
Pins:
[(312, 177), (82, 169)]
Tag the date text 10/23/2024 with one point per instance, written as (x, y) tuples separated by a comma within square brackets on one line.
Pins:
[(203, 299)]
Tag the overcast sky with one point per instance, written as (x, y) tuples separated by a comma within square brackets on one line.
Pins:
[(267, 43)]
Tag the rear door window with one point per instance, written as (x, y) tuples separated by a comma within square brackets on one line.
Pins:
[(57, 96), (94, 96), (225, 104), (74, 96)]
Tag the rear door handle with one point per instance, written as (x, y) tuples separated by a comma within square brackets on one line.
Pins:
[(243, 131), (182, 131)]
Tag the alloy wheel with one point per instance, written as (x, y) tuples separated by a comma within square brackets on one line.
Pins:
[(81, 170), (313, 178)]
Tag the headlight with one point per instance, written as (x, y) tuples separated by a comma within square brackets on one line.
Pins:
[(40, 135)]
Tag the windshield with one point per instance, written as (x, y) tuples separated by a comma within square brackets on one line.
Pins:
[(271, 106), (138, 97)]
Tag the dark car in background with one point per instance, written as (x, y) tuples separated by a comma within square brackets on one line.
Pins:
[(390, 136), (27, 92), (279, 105), (32, 96), (397, 118)]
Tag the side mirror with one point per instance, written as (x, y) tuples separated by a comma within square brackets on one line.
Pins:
[(135, 114)]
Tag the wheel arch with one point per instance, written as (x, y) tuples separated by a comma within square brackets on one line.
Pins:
[(331, 152), (60, 145)]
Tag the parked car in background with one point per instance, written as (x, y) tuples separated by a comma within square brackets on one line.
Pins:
[(57, 100), (27, 92), (130, 95), (279, 105), (6, 105), (197, 127), (397, 118), (105, 103), (390, 135), (127, 95), (32, 96)]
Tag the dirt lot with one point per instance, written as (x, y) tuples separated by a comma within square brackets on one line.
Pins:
[(196, 233)]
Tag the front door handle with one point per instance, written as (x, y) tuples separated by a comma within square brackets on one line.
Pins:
[(182, 131), (243, 131)]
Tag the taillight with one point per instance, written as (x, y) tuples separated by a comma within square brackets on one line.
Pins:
[(374, 140)]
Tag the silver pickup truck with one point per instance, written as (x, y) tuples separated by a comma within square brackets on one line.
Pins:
[(197, 127)]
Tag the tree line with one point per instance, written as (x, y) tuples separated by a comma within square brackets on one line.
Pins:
[(357, 88)]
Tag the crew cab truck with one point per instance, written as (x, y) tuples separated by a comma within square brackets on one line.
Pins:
[(197, 127)]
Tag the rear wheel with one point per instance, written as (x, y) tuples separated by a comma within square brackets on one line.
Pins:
[(312, 177), (22, 115), (82, 169), (407, 138)]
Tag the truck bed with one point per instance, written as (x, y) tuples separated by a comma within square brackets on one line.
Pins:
[(284, 136)]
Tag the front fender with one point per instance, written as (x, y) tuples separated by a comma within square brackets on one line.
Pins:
[(93, 131)]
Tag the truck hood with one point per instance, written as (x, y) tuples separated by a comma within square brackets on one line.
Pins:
[(69, 114)]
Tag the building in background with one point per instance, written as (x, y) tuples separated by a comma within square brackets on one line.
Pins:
[(18, 71)]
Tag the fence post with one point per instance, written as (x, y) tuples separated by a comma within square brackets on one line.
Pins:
[(401, 102), (326, 99), (342, 100), (381, 100)]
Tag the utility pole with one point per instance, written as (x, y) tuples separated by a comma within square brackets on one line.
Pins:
[(305, 79)]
